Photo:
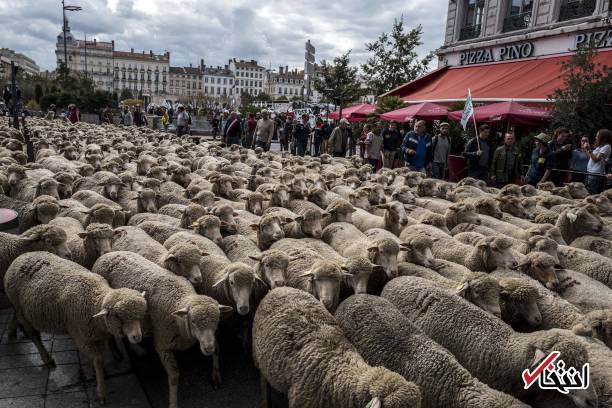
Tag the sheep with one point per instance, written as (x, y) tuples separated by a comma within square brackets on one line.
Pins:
[(188, 214), (204, 244), (503, 227), (499, 363), (601, 202), (358, 198), (417, 250), (177, 316), (394, 218), (137, 219), (227, 216), (518, 301), (85, 246), (181, 259), (54, 295), (574, 223), (298, 346), (589, 263), (299, 226), (40, 211), (141, 201), (44, 237), (90, 198), (404, 195), (270, 266), (99, 213), (488, 254), (598, 245), (159, 231), (385, 337), (598, 324), (269, 229)]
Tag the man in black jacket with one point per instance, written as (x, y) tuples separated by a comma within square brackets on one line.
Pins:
[(301, 135), (478, 154)]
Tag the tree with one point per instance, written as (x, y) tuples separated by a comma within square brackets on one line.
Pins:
[(38, 93), (126, 94), (263, 97), (395, 59), (583, 104), (246, 99), (388, 104), (339, 80)]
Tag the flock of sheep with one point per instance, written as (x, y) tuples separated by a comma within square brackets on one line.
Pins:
[(351, 288)]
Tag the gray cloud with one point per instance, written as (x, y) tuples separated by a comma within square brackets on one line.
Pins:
[(273, 32)]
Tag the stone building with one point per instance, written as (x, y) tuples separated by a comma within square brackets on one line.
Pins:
[(285, 83), (249, 76)]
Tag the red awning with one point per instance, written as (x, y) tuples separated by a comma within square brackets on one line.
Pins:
[(532, 80), (503, 111), (356, 113), (425, 111)]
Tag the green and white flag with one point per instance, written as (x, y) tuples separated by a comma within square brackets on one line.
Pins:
[(468, 111)]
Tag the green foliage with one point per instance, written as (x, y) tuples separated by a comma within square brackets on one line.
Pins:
[(126, 94), (339, 81), (246, 109), (388, 104), (38, 92), (263, 97), (246, 99), (395, 59), (32, 105), (583, 104), (132, 102)]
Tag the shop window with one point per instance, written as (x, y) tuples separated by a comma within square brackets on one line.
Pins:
[(474, 15), (571, 9), (518, 15)]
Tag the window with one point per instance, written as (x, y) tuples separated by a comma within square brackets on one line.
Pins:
[(171, 82), (206, 80), (230, 81), (518, 16), (571, 9), (218, 80), (473, 19), (224, 81), (218, 91)]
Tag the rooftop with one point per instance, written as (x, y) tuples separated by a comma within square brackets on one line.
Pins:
[(217, 71), (246, 64), (185, 70), (142, 57)]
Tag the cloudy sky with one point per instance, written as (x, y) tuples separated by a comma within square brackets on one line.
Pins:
[(271, 31)]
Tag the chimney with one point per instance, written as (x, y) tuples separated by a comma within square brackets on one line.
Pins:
[(132, 51), (151, 53), (225, 67), (202, 66), (287, 68), (113, 44), (280, 70), (190, 66), (95, 42)]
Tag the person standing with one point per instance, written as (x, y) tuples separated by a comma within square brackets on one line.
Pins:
[(391, 141), (580, 160), (505, 166), (301, 135), (327, 131), (126, 117), (182, 121), (107, 115), (288, 141), (319, 136), (250, 130), (373, 146), (232, 130), (540, 163), (416, 148), (598, 159), (338, 140), (561, 154), (139, 117), (477, 153), (50, 113), (264, 131), (441, 149), (165, 119), (74, 115), (361, 141)]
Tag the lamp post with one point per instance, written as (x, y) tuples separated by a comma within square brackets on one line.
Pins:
[(64, 9)]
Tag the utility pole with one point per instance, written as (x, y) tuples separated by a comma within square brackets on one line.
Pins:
[(14, 99), (85, 55), (65, 48)]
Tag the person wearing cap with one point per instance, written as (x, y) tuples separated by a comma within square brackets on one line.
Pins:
[(440, 146), (540, 163), (338, 140), (478, 154), (391, 142), (301, 135), (417, 148), (505, 167), (264, 131)]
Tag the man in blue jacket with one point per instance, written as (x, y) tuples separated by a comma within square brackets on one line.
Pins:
[(417, 148)]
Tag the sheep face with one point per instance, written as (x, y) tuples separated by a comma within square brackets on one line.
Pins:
[(318, 196), (496, 253), (48, 187), (209, 226), (204, 198), (239, 278), (95, 160), (226, 216), (521, 300), (325, 280), (377, 195), (280, 195), (46, 210), (48, 238), (577, 190), (299, 190), (111, 190), (200, 319), (464, 213), (184, 260), (269, 228), (427, 188), (541, 267), (147, 201), (419, 251), (360, 199), (123, 310), (310, 223), (584, 222), (404, 195), (488, 206), (412, 179), (384, 253), (357, 272), (529, 191), (15, 174), (273, 265), (539, 243), (254, 204), (483, 291), (71, 153), (514, 206)]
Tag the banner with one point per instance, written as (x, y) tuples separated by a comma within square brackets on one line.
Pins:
[(468, 111)]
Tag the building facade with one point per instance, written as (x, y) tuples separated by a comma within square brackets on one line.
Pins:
[(511, 50), (28, 65), (285, 84), (249, 76), (219, 84), (185, 83)]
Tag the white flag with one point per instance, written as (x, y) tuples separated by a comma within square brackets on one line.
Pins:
[(468, 111)]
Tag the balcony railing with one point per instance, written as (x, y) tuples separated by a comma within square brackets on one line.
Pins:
[(576, 9), (517, 21), (469, 32)]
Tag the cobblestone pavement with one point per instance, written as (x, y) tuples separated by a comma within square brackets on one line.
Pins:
[(139, 381)]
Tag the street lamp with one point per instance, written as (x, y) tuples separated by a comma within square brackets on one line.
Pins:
[(64, 9)]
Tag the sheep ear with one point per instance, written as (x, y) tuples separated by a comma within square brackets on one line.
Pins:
[(254, 227), (325, 214), (119, 233), (217, 199), (256, 257), (461, 289), (82, 235), (102, 313), (537, 357), (220, 281), (194, 225), (558, 268), (143, 294), (373, 248), (181, 312), (299, 218), (374, 403), (378, 268), (225, 309), (383, 206), (571, 217), (308, 274), (235, 214), (169, 258)]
